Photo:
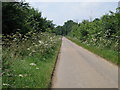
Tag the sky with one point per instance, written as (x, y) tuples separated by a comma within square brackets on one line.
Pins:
[(61, 11)]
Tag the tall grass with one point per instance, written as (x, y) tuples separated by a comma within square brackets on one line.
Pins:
[(28, 60)]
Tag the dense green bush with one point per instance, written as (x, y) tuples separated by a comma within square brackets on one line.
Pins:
[(103, 32)]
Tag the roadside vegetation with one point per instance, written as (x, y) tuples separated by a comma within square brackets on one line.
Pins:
[(28, 62), (29, 47), (30, 43), (101, 36), (106, 53)]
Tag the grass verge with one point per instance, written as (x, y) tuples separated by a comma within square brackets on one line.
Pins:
[(33, 76), (106, 53), (32, 71)]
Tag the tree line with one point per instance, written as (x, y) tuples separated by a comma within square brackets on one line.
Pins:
[(21, 17), (101, 32)]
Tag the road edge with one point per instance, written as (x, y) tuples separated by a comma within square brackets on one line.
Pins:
[(95, 54), (55, 65)]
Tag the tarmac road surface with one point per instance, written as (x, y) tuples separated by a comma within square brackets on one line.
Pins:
[(79, 68)]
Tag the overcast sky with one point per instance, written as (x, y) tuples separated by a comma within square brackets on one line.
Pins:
[(61, 11)]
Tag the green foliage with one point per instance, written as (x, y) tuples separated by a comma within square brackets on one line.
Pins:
[(101, 33), (29, 47), (20, 17), (66, 28), (59, 30)]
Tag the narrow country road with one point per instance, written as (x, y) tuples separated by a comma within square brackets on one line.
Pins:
[(78, 68)]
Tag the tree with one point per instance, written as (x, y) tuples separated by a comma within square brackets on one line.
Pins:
[(13, 16), (20, 17)]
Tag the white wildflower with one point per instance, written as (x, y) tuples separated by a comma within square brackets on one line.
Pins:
[(99, 33), (15, 38), (5, 84), (41, 42), (46, 44), (37, 68), (33, 51), (36, 45), (30, 54), (32, 64), (28, 48), (33, 43), (20, 75), (51, 38)]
